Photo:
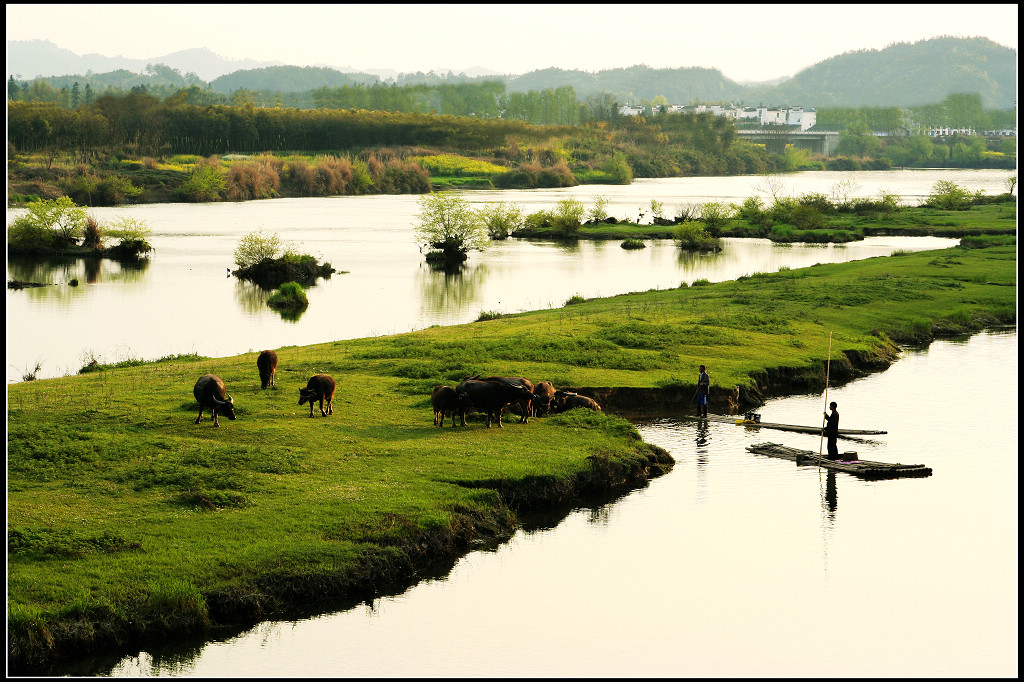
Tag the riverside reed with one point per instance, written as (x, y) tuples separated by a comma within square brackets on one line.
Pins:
[(128, 522)]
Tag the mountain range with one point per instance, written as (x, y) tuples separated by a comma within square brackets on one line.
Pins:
[(902, 74)]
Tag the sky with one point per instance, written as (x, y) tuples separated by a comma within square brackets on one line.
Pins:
[(745, 42)]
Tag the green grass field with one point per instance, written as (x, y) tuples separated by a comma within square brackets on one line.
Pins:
[(127, 521)]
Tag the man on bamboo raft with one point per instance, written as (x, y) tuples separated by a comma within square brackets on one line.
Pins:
[(832, 431), (703, 388)]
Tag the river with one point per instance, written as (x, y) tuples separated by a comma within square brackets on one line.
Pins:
[(183, 300), (732, 564)]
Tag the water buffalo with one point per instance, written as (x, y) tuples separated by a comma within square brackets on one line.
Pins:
[(266, 362), (210, 392), (524, 404), (565, 400), (489, 396), (319, 387), (444, 399), (543, 393)]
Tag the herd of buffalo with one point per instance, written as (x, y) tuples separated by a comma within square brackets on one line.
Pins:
[(494, 394), (489, 394)]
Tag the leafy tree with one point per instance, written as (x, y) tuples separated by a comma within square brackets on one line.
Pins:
[(599, 212), (115, 190), (568, 216), (693, 236), (81, 187), (857, 140), (257, 246), (715, 215), (132, 235), (48, 223), (753, 211), (807, 217), (949, 196), (205, 183), (450, 227), (502, 219), (617, 169)]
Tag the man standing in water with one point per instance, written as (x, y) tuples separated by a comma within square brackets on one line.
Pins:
[(832, 431), (703, 386)]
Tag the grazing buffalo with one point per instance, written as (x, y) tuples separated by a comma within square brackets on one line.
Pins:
[(543, 393), (565, 400), (210, 392), (319, 387), (445, 400), (489, 396), (524, 404), (267, 364)]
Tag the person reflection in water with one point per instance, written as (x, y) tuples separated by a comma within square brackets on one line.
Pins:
[(832, 431), (831, 492), (702, 434)]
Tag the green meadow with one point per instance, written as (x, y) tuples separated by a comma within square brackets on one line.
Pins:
[(129, 522)]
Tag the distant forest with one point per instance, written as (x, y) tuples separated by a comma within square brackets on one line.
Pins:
[(901, 75)]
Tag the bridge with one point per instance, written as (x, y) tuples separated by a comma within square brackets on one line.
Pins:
[(775, 139)]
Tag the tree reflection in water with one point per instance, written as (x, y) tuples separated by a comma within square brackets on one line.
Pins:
[(451, 289), (62, 270), (691, 262), (251, 297)]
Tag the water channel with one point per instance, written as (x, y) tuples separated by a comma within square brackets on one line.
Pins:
[(732, 564)]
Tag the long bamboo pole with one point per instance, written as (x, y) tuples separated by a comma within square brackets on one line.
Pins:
[(828, 366)]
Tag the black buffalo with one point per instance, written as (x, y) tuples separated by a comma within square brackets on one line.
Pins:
[(267, 365), (543, 394), (210, 392), (525, 407), (319, 387), (489, 396), (444, 399), (565, 400)]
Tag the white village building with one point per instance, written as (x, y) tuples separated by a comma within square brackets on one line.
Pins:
[(790, 116)]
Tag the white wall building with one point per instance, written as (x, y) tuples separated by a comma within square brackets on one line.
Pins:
[(791, 116)]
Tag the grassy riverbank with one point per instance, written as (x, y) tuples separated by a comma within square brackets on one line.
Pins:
[(127, 522), (914, 221)]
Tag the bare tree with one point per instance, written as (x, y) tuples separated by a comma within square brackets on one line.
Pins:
[(772, 185)]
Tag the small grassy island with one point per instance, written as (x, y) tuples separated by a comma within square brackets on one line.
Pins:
[(59, 227), (267, 262), (129, 523)]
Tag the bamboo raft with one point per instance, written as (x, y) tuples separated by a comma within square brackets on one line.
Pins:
[(792, 427), (858, 467)]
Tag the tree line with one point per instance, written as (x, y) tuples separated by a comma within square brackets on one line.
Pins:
[(958, 110), (479, 99), (145, 124)]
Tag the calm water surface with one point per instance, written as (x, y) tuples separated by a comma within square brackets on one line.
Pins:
[(732, 564), (183, 300)]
